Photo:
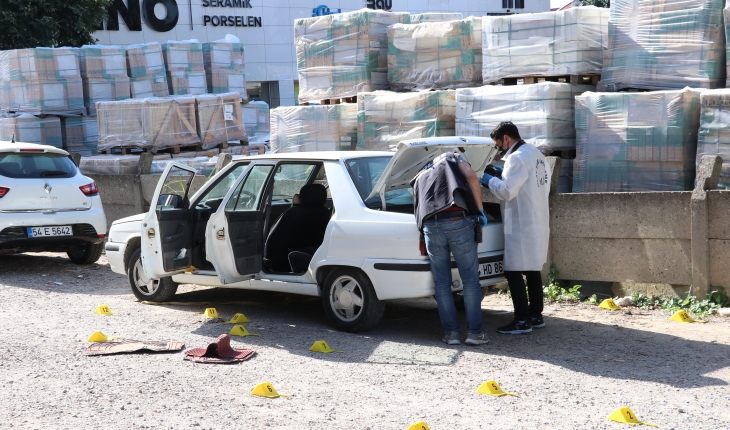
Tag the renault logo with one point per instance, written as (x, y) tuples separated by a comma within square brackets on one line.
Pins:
[(48, 188)]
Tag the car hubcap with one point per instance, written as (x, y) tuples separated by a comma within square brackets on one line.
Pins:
[(346, 298), (145, 286)]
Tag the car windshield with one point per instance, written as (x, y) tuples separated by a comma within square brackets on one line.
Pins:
[(365, 173), (36, 165)]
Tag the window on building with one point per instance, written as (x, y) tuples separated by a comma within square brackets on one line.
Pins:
[(519, 4), (507, 4)]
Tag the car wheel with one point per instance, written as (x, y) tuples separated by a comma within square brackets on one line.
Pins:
[(87, 253), (459, 298), (350, 302), (153, 290)]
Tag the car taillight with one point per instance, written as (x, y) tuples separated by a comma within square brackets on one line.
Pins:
[(3, 191), (90, 189)]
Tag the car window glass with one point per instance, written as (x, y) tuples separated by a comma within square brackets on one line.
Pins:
[(290, 178), (247, 195), (175, 189), (224, 183), (36, 165), (365, 173)]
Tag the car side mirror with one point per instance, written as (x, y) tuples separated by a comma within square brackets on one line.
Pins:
[(169, 201)]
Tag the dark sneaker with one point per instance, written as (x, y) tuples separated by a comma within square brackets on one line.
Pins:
[(452, 338), (537, 322), (480, 338), (516, 327)]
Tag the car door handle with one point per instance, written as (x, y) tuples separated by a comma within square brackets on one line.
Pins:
[(176, 236)]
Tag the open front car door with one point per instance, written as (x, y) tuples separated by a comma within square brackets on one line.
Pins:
[(234, 235), (167, 237)]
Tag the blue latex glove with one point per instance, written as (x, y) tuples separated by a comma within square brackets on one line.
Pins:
[(485, 179), (482, 218)]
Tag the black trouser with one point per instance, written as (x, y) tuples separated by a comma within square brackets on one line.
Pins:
[(519, 294)]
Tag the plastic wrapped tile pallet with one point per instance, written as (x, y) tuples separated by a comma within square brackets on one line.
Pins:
[(343, 54), (29, 128), (314, 128), (146, 71), (664, 44), (435, 17), (224, 66), (185, 69), (385, 118), (220, 119), (566, 42), (41, 81), (543, 112), (714, 133), (80, 134), (636, 141), (435, 54), (103, 74), (256, 120)]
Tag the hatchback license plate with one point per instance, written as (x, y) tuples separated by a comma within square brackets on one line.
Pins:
[(489, 270), (61, 230)]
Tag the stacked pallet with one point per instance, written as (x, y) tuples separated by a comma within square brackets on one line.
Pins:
[(343, 54), (385, 118), (543, 112), (256, 121), (664, 44), (435, 54), (567, 42), (29, 128), (314, 128), (80, 135), (220, 119), (103, 74), (224, 67), (146, 71), (419, 18), (636, 141), (184, 66), (714, 133)]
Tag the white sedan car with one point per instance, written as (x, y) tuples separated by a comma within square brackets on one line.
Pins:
[(338, 225), (46, 204)]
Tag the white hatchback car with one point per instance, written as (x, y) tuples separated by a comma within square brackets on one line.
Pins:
[(46, 204), (338, 225)]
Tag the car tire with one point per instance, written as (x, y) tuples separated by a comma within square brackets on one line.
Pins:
[(88, 253), (155, 290), (343, 289), (459, 298)]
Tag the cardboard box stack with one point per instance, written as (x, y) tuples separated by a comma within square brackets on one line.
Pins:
[(220, 119), (184, 66), (636, 141), (385, 118), (343, 54), (41, 81), (543, 112), (146, 71), (563, 42), (80, 134), (314, 128), (256, 121), (434, 17), (224, 66), (435, 54), (714, 133), (29, 128), (664, 44), (103, 74)]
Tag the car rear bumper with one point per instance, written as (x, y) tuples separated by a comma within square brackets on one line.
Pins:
[(16, 239)]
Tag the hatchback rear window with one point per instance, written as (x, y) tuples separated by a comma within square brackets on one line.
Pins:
[(36, 165)]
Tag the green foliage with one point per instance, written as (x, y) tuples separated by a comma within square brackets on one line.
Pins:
[(32, 23), (715, 300), (554, 291), (597, 3), (593, 300)]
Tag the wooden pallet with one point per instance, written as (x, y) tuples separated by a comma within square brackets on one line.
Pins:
[(338, 101), (566, 155), (588, 79)]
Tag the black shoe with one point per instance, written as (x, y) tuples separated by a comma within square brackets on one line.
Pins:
[(516, 327), (537, 322)]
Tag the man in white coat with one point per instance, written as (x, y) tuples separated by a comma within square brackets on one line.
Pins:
[(522, 187)]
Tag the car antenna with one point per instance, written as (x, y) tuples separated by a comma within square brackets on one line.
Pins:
[(12, 140)]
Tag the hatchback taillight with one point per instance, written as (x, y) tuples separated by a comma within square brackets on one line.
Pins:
[(3, 191), (90, 189)]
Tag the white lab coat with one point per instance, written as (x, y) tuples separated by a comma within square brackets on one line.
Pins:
[(523, 193)]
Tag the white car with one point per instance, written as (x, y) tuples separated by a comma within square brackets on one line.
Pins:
[(338, 225), (46, 204)]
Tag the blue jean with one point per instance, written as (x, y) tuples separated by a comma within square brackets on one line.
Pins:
[(444, 238)]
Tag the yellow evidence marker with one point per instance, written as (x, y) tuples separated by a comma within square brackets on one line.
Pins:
[(419, 426), (103, 310), (609, 304), (210, 313), (321, 346), (265, 389), (238, 319), (626, 416), (492, 388), (98, 336), (684, 317), (239, 330)]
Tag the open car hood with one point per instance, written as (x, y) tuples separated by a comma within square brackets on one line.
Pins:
[(411, 155)]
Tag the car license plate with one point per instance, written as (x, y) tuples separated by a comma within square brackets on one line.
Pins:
[(490, 270), (61, 230)]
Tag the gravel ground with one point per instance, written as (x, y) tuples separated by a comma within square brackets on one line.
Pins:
[(572, 374)]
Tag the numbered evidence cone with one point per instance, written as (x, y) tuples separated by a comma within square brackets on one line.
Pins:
[(98, 336), (492, 388), (609, 304), (684, 317), (103, 310), (239, 330), (210, 313), (419, 426), (626, 416), (238, 319), (321, 346), (265, 389)]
